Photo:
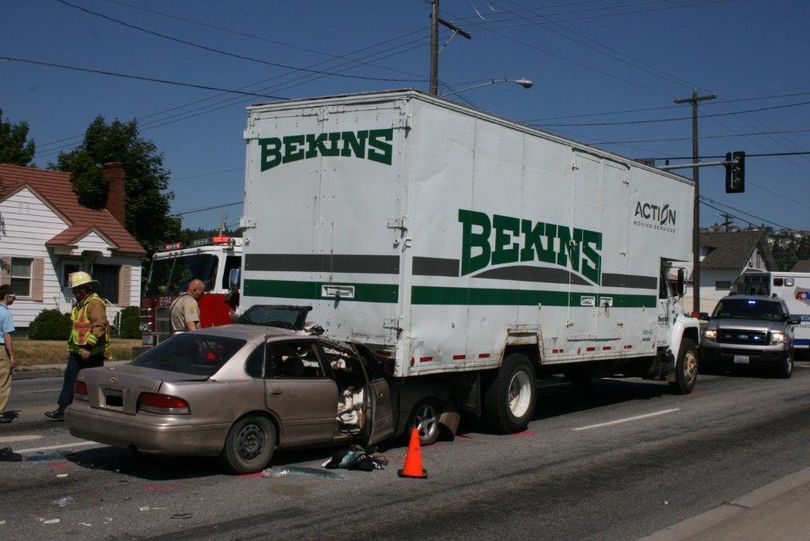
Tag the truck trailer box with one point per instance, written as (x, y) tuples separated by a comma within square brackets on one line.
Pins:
[(448, 238)]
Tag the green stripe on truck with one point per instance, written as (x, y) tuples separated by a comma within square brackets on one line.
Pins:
[(517, 297), (287, 289), (432, 295)]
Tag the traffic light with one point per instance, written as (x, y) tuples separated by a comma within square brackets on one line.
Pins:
[(735, 172)]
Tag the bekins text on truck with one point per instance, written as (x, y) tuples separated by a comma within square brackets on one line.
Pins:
[(466, 248)]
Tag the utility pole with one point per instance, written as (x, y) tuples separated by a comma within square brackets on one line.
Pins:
[(694, 100), (434, 48), (435, 21), (727, 220)]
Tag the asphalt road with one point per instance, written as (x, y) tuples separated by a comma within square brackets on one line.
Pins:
[(619, 461)]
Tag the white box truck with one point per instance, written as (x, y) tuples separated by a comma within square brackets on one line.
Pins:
[(794, 288), (467, 247)]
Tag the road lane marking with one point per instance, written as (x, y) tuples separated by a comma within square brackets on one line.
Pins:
[(22, 437), (628, 419), (54, 447)]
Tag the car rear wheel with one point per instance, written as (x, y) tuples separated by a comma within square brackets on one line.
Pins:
[(250, 445), (425, 417), (686, 368)]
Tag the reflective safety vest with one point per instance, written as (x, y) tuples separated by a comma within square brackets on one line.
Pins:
[(80, 331)]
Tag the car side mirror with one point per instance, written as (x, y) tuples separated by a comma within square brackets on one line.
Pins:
[(233, 278), (681, 284), (794, 320), (703, 316)]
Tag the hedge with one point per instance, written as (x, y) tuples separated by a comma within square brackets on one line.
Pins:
[(50, 325)]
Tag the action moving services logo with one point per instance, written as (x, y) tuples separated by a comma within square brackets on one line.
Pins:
[(656, 217)]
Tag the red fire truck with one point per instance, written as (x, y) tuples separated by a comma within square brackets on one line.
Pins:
[(211, 260)]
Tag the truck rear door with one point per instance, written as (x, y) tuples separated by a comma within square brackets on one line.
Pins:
[(322, 206)]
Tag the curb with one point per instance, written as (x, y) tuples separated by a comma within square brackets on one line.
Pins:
[(725, 519)]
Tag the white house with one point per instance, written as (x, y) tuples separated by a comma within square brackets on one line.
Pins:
[(45, 234), (724, 257)]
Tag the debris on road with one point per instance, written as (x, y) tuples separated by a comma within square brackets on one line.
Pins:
[(61, 475), (182, 516), (356, 458), (7, 455), (293, 470), (63, 502)]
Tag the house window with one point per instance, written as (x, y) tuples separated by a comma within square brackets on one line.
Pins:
[(67, 270), (722, 285), (21, 276), (107, 276)]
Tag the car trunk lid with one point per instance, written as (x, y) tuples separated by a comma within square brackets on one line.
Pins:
[(118, 388)]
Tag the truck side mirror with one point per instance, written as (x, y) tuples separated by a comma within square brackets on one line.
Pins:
[(681, 285), (703, 316), (233, 279)]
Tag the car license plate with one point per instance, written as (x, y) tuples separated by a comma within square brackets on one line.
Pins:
[(114, 397), (741, 359)]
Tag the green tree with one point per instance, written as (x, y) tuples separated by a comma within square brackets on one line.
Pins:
[(147, 196), (14, 144)]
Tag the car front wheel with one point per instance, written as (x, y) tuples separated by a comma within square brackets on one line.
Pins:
[(686, 368), (250, 445), (786, 369)]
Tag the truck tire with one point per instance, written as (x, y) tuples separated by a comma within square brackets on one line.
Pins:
[(250, 445), (686, 368), (426, 413), (785, 370), (510, 398)]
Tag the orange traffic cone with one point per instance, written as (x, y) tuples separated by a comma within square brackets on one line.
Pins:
[(413, 459)]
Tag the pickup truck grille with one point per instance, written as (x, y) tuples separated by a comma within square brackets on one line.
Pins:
[(741, 336)]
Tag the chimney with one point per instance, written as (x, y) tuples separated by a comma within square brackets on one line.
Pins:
[(116, 197)]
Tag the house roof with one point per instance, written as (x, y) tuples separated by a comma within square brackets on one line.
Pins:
[(733, 249), (55, 190), (803, 265)]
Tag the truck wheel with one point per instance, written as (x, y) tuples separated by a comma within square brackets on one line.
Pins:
[(510, 398), (425, 417), (250, 445), (786, 369), (686, 368)]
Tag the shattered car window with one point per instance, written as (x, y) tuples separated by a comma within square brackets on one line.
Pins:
[(195, 354)]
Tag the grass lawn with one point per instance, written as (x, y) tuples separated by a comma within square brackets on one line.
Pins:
[(34, 352)]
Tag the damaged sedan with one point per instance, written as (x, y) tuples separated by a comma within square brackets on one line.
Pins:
[(240, 392)]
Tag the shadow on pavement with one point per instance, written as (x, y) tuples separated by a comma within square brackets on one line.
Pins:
[(150, 467)]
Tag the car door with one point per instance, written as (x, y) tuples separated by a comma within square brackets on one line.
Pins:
[(299, 392), (378, 403)]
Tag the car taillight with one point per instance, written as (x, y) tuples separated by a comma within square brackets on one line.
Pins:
[(163, 404), (80, 390)]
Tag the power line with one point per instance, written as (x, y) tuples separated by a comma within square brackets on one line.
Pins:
[(209, 174), (253, 36), (139, 77), (747, 155), (663, 108), (233, 55), (763, 220), (192, 211), (671, 139), (673, 119)]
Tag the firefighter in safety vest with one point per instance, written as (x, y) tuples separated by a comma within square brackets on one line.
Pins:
[(89, 342)]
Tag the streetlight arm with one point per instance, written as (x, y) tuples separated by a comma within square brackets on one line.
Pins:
[(525, 83)]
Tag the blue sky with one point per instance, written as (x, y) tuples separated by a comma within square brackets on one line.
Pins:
[(615, 63)]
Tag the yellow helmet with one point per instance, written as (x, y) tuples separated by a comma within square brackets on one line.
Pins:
[(80, 278)]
